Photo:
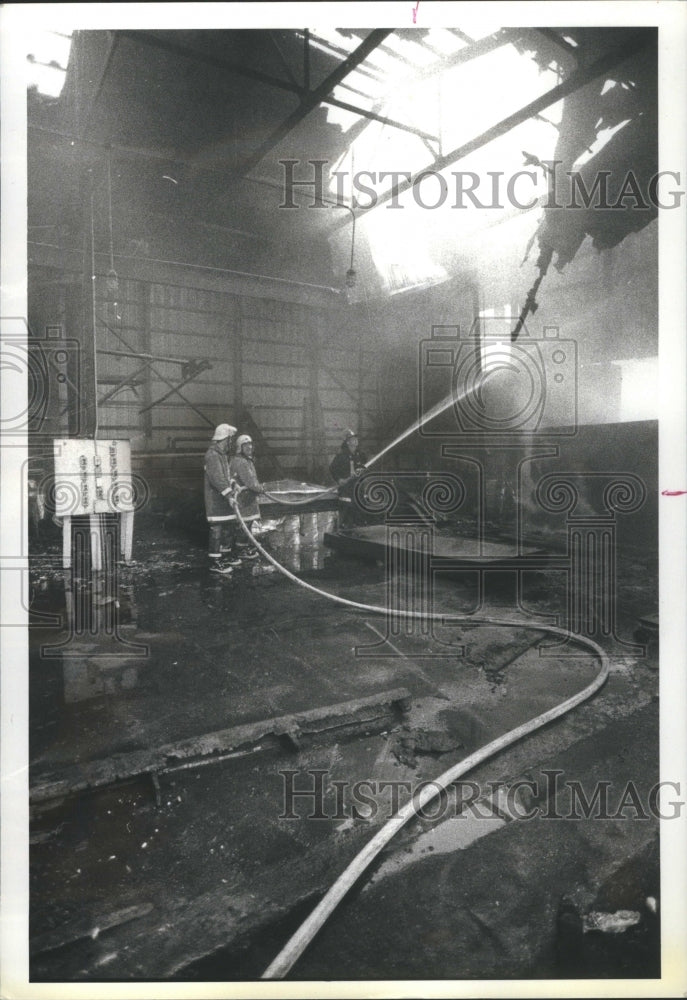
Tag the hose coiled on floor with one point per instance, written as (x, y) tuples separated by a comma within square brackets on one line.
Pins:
[(299, 941)]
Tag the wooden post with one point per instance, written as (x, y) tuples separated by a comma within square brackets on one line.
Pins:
[(66, 542), (126, 534), (96, 541)]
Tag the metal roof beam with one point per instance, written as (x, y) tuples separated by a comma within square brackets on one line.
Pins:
[(290, 86), (560, 42), (282, 58), (485, 45), (315, 97), (376, 117), (218, 62), (580, 78), (473, 51)]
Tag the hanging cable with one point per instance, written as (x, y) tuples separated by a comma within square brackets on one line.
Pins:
[(352, 271), (94, 321), (112, 278), (109, 208)]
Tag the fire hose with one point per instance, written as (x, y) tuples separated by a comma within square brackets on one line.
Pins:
[(302, 937)]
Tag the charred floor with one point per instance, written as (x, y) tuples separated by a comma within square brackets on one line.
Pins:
[(203, 765)]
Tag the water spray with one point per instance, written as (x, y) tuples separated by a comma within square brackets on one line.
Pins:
[(425, 418)]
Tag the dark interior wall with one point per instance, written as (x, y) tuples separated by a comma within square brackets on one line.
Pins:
[(537, 488), (606, 304), (295, 365), (595, 459), (279, 360)]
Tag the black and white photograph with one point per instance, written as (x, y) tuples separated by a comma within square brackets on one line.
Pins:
[(344, 493)]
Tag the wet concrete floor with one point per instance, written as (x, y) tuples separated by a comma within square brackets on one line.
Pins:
[(124, 886)]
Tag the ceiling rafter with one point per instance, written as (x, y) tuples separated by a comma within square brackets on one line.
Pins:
[(282, 58), (322, 94), (290, 86), (315, 97), (632, 45), (477, 49), (218, 62), (560, 42), (374, 116)]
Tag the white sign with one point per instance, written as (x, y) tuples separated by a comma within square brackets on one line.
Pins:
[(92, 477)]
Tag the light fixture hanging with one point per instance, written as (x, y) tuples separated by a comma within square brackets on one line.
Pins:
[(350, 273), (112, 278), (351, 276)]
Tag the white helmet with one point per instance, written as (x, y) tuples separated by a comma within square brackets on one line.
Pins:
[(243, 439), (223, 431)]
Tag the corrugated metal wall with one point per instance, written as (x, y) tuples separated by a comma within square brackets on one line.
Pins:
[(296, 374)]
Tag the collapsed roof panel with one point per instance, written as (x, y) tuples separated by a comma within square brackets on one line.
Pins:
[(194, 124)]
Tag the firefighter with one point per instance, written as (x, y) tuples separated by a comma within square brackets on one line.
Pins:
[(242, 471), (346, 465), (220, 514)]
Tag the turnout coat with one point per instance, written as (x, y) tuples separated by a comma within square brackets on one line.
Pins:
[(242, 469), (217, 485), (344, 465)]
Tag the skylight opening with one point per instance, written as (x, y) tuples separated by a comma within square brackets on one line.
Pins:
[(416, 53), (388, 64), (46, 60), (401, 250), (342, 93), (412, 245), (444, 41), (522, 80), (364, 82), (608, 85), (332, 37), (339, 116)]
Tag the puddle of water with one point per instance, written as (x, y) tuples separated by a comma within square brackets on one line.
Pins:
[(453, 834)]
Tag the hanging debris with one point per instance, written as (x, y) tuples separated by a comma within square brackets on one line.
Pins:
[(531, 304), (602, 180)]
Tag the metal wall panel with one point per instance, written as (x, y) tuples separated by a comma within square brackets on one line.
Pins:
[(300, 371)]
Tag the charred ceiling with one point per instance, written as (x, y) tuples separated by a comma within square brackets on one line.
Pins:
[(175, 137)]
